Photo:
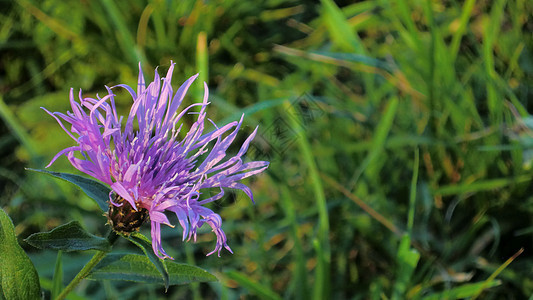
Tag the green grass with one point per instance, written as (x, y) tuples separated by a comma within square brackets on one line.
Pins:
[(398, 134)]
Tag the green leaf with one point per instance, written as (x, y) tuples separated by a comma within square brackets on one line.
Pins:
[(68, 237), (94, 189), (146, 245), (18, 277), (139, 268)]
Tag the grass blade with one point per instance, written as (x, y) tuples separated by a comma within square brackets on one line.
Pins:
[(125, 39), (321, 288), (407, 259), (300, 272), (57, 280), (488, 283), (254, 287), (18, 131), (412, 195), (461, 28), (463, 291), (370, 163)]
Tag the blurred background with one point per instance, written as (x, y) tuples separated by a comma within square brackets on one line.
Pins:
[(398, 132)]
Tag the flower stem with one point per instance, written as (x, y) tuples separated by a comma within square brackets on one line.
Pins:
[(112, 237)]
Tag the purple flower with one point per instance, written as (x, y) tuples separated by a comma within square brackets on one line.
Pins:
[(150, 169)]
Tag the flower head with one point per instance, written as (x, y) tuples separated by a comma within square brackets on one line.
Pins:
[(150, 169)]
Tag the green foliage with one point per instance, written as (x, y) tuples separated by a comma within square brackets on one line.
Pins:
[(68, 237), (94, 189), (146, 246), (139, 268), (343, 96), (18, 277)]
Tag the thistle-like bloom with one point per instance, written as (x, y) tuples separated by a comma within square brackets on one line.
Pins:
[(150, 169)]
